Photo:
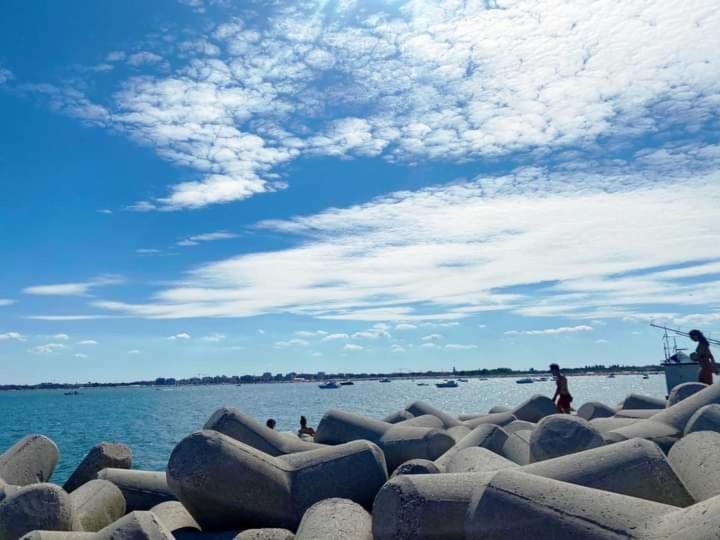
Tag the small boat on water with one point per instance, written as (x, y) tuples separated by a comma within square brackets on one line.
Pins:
[(611, 376), (447, 384), (422, 384), (346, 383), (526, 380), (646, 376), (385, 380), (463, 380), (73, 393), (329, 385)]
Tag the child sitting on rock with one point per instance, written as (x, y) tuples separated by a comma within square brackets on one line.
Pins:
[(304, 429), (562, 394)]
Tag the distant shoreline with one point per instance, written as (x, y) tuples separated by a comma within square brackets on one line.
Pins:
[(320, 376)]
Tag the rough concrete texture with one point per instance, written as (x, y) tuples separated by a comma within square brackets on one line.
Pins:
[(517, 447), (97, 504), (696, 458), (638, 401), (516, 505), (498, 419), (226, 484), (706, 418), (535, 409), (603, 425), (595, 409), (398, 443), (58, 535), (136, 526), (30, 460), (424, 506), (416, 466), (142, 489), (562, 434), (476, 459), (335, 519), (36, 507), (419, 408), (424, 420), (684, 390), (637, 468), (499, 408), (265, 534), (244, 428), (190, 534), (519, 425), (174, 516), (487, 436), (458, 432), (668, 423), (434, 506), (398, 416), (638, 414), (103, 456)]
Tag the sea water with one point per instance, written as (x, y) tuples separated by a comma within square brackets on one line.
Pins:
[(152, 420)]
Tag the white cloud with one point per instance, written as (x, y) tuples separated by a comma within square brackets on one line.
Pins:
[(5, 75), (134, 351), (482, 326), (432, 337), (87, 342), (143, 57), (207, 237), (115, 56), (428, 345), (215, 337), (405, 326), (397, 349), (147, 251), (61, 337), (335, 337), (602, 341), (551, 331), (296, 342), (460, 347), (180, 336), (81, 355), (48, 348), (6, 301), (73, 289), (16, 336), (455, 81), (104, 211), (449, 252), (353, 347), (260, 331)]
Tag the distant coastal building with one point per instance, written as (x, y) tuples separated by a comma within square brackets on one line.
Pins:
[(267, 376)]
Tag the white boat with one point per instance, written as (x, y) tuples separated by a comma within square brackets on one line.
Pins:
[(385, 380), (678, 366), (329, 385), (447, 384), (526, 380)]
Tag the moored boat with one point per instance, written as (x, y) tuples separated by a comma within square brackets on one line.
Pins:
[(329, 385), (447, 384), (526, 380)]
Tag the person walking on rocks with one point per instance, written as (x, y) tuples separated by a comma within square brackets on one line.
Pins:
[(562, 397), (704, 357), (304, 429)]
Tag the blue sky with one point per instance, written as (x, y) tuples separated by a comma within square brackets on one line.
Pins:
[(195, 187)]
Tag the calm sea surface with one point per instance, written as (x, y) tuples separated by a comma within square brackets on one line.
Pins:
[(151, 421)]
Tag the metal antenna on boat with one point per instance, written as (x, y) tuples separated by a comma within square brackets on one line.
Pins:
[(679, 333)]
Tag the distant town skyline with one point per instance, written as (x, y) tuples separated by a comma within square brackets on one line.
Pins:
[(202, 187)]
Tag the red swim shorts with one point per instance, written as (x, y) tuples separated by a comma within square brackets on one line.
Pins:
[(563, 402)]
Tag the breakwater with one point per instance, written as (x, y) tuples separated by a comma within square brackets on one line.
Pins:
[(639, 469)]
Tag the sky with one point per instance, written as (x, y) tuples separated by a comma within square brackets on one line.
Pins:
[(202, 187)]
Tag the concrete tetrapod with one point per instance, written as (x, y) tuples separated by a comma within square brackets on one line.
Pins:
[(30, 460), (142, 489), (684, 390), (58, 535), (398, 443), (499, 419), (136, 526), (638, 414), (244, 428), (696, 458), (562, 434), (706, 418), (37, 506), (103, 456), (418, 408), (265, 534), (535, 409), (638, 401), (97, 504), (175, 517), (434, 506), (485, 435), (511, 504), (226, 484), (398, 416), (425, 420), (595, 409), (667, 424), (335, 519), (477, 459)]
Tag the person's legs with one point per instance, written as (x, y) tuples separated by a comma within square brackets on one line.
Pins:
[(705, 376)]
